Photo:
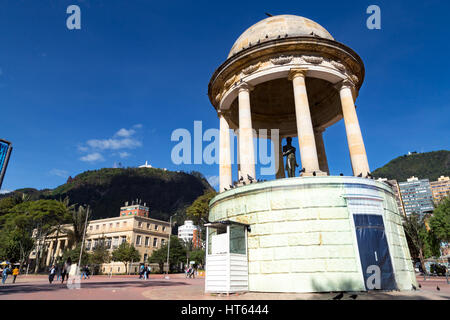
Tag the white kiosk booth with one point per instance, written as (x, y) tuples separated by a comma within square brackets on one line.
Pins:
[(226, 257)]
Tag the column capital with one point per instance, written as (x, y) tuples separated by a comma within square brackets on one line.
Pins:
[(297, 72), (223, 113), (244, 86), (346, 83), (319, 130)]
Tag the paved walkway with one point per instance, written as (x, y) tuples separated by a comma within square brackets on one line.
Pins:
[(179, 288)]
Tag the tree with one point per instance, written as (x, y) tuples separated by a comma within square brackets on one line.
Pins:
[(126, 253), (78, 221), (422, 243), (199, 209), (100, 254), (440, 220), (177, 253), (198, 256), (74, 255), (414, 226), (40, 217)]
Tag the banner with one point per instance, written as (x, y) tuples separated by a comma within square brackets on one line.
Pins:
[(5, 152)]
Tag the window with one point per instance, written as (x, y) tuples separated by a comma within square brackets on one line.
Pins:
[(155, 242), (147, 241), (91, 227), (104, 226), (123, 239), (156, 227), (95, 244), (117, 224), (163, 242), (97, 227), (124, 223), (138, 240), (164, 228), (88, 245), (115, 242), (139, 224), (148, 225), (108, 243), (110, 225)]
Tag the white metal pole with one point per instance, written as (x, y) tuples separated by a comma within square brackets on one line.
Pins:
[(168, 249), (82, 243)]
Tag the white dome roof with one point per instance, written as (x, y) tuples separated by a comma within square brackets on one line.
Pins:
[(280, 26)]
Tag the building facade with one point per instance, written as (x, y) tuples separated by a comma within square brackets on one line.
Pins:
[(132, 226), (440, 188), (416, 196), (190, 232)]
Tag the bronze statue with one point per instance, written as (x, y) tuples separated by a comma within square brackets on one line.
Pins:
[(289, 153)]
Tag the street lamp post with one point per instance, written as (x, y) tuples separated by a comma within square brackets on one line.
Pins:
[(168, 249), (84, 235)]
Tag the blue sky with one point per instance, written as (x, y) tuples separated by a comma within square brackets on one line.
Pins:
[(114, 91)]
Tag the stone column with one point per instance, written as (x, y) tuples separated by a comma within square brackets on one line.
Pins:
[(308, 151), (225, 179), (58, 248), (49, 253), (246, 148), (279, 161), (321, 154), (355, 141)]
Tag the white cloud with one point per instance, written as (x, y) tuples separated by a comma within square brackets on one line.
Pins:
[(59, 173), (92, 157), (3, 191), (213, 181), (125, 133), (138, 126), (124, 154), (114, 144)]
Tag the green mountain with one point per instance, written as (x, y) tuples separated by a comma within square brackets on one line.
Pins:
[(429, 165), (106, 190)]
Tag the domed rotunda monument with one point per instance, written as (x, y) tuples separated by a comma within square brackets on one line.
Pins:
[(314, 232)]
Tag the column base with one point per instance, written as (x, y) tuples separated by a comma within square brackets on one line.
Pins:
[(311, 173)]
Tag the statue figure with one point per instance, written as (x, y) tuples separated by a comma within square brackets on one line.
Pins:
[(289, 153)]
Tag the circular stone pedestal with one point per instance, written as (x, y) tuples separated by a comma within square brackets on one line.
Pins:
[(303, 236)]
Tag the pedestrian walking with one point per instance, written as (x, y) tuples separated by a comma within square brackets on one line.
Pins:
[(141, 271), (65, 270), (145, 271), (5, 273), (51, 274), (149, 269), (15, 273), (58, 272)]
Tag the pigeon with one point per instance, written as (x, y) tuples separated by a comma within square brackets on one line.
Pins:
[(243, 182), (231, 187), (360, 175), (437, 288), (414, 287), (420, 286), (339, 296), (354, 296), (225, 189), (268, 14), (341, 174), (241, 178), (314, 173), (303, 170), (250, 178)]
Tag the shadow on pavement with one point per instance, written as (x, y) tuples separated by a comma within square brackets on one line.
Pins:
[(85, 284)]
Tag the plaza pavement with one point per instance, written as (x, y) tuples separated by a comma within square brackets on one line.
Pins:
[(121, 287)]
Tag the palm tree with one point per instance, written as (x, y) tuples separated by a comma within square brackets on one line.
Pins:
[(78, 219)]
